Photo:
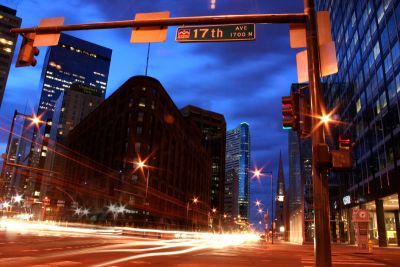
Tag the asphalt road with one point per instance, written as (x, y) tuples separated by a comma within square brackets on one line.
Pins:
[(52, 248)]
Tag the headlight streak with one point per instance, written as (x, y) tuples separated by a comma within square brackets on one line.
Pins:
[(150, 255), (220, 241), (179, 242)]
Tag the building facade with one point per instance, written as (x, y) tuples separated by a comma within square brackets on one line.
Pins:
[(72, 106), (237, 173), (8, 20), (365, 93), (73, 60), (139, 123), (213, 129)]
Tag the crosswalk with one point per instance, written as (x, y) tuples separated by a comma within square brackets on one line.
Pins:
[(342, 261)]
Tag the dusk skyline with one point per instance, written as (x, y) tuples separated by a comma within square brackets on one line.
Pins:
[(241, 80), (198, 151)]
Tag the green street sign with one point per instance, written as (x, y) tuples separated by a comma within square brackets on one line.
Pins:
[(216, 33)]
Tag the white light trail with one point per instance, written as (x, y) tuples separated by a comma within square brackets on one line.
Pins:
[(175, 242)]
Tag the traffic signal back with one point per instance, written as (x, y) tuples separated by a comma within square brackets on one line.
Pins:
[(27, 52)]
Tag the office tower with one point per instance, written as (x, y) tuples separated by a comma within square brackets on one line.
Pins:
[(8, 20), (365, 93), (213, 129), (73, 60), (237, 173), (139, 123), (72, 106)]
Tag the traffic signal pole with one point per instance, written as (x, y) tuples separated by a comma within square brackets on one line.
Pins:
[(322, 248), (322, 244), (200, 20)]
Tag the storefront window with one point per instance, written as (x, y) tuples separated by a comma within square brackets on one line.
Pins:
[(390, 224)]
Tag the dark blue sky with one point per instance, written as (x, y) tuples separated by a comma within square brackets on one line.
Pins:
[(244, 81)]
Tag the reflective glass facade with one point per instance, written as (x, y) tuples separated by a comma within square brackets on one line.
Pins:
[(73, 60), (8, 20), (237, 184), (366, 94)]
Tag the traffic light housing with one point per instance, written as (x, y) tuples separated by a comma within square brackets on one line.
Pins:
[(342, 159), (344, 142), (305, 119), (290, 112), (27, 52)]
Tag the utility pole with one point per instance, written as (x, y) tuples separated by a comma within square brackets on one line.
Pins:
[(322, 245)]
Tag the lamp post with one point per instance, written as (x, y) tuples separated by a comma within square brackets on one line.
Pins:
[(194, 201), (36, 121), (141, 165), (258, 173)]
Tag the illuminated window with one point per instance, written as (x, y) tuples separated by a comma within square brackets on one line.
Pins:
[(142, 102), (358, 105), (378, 107)]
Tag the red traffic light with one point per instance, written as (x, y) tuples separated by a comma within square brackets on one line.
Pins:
[(344, 142), (290, 113), (287, 113)]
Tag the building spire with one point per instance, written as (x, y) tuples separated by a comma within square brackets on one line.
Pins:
[(281, 179)]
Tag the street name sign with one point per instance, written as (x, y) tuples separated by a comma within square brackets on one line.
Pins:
[(216, 33)]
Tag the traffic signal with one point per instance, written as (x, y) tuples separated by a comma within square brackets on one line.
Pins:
[(27, 52), (290, 112), (287, 112), (305, 116), (344, 142), (342, 159)]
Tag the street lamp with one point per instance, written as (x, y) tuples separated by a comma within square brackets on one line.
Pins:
[(194, 201), (35, 121), (258, 173), (140, 164)]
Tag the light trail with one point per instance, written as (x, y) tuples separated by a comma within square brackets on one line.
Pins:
[(177, 242)]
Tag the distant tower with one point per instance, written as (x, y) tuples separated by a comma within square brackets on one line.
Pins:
[(237, 173), (8, 20), (73, 60), (280, 196)]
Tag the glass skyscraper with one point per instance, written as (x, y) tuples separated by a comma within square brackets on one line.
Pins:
[(73, 60), (237, 173), (8, 20), (366, 93)]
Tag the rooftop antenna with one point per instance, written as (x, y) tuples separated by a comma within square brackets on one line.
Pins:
[(147, 60)]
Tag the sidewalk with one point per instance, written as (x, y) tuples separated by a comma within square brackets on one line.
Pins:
[(389, 255)]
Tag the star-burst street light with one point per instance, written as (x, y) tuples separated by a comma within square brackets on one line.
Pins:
[(35, 120), (17, 198), (195, 200), (258, 173), (141, 164)]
